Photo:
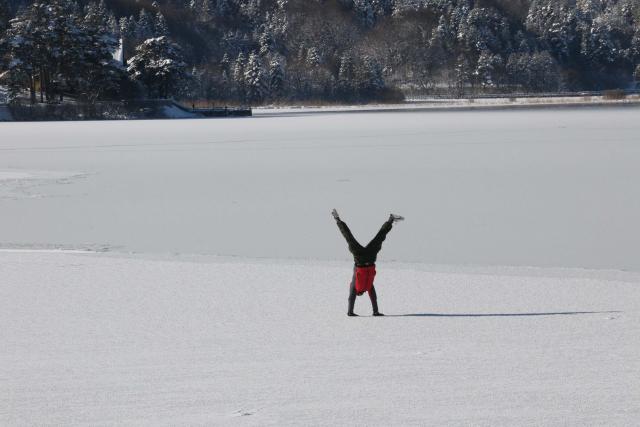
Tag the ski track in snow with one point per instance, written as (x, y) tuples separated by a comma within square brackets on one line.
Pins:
[(102, 339)]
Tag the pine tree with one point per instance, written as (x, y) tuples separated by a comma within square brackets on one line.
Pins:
[(462, 74), (365, 12), (266, 43), (158, 64), (4, 16), (488, 69), (225, 85), (96, 16), (223, 8), (254, 78), (276, 78), (371, 81), (225, 63), (160, 25), (113, 26), (100, 73), (22, 41), (206, 11), (313, 58), (346, 76), (56, 49), (238, 77), (144, 26)]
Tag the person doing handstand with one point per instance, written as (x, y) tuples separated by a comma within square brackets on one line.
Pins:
[(364, 258)]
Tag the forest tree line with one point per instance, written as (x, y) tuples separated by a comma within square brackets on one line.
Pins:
[(259, 51)]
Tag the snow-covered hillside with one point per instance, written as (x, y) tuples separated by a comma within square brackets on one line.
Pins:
[(100, 340)]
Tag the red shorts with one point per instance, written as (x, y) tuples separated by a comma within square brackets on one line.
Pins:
[(364, 278)]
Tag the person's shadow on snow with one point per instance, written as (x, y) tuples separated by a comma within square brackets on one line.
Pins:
[(557, 313)]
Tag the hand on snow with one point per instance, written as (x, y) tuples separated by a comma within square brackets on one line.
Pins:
[(335, 214), (394, 218)]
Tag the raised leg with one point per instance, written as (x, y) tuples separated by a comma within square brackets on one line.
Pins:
[(354, 246), (376, 242)]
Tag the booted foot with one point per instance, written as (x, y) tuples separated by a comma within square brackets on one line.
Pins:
[(378, 314), (396, 218), (352, 315)]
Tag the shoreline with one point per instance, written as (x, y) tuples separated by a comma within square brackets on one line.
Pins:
[(434, 105), (488, 104)]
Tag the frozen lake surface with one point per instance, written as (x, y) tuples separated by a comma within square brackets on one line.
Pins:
[(232, 309), (554, 187)]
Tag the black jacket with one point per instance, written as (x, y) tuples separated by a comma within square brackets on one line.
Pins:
[(365, 255)]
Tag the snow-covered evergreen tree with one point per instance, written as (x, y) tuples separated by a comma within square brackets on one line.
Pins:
[(488, 69), (313, 58), (237, 76), (371, 80), (462, 74), (255, 79), (144, 26), (160, 25), (99, 75), (276, 78), (225, 63), (159, 66), (55, 49)]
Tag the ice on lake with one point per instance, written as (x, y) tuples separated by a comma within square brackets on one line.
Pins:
[(231, 310), (555, 187)]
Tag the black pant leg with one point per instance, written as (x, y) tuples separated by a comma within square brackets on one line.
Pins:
[(374, 299), (376, 243), (354, 246)]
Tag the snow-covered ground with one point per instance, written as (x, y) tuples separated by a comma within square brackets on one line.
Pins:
[(203, 282), (96, 339)]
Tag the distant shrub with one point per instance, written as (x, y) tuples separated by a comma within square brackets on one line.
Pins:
[(614, 94)]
